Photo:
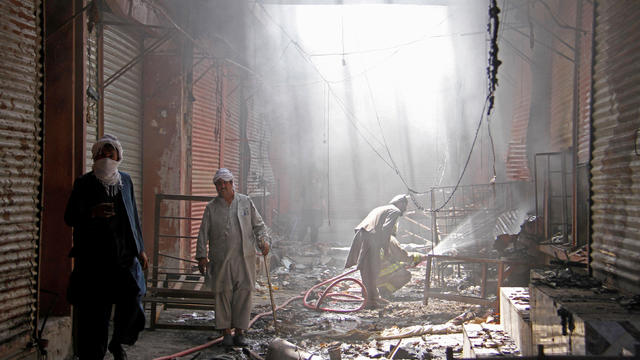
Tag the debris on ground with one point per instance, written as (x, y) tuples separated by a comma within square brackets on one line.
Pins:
[(482, 340), (365, 334)]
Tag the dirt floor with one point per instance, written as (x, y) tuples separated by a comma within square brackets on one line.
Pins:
[(313, 332)]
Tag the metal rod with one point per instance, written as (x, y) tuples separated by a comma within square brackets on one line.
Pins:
[(563, 192), (115, 76), (177, 258), (427, 280), (273, 304), (575, 128), (156, 251), (184, 197), (180, 218), (178, 236), (591, 137), (395, 349)]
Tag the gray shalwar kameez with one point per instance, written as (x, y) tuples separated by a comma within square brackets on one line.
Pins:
[(372, 236), (230, 232)]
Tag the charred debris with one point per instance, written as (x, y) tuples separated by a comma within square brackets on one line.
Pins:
[(420, 322)]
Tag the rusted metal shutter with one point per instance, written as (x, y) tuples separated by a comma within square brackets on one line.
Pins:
[(584, 81), (616, 150), (123, 100), (92, 104), (232, 99), (20, 170), (562, 70), (205, 136)]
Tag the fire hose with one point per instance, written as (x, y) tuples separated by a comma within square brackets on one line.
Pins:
[(333, 295), (325, 294)]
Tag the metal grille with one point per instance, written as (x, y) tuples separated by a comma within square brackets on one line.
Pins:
[(616, 152), (20, 169), (123, 101)]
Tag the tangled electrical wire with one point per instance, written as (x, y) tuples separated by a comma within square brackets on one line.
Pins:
[(492, 74), (494, 62)]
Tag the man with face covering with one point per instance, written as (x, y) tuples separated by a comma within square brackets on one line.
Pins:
[(231, 228), (372, 237), (109, 256)]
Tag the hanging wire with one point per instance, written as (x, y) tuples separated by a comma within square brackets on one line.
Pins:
[(494, 62), (350, 116), (412, 193), (492, 71), (561, 24), (386, 145), (328, 137)]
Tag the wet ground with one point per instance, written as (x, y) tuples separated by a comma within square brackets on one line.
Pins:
[(313, 332)]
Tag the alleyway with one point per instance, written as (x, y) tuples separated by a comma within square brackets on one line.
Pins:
[(314, 332)]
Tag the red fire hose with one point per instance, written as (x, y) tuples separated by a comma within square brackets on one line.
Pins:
[(333, 295), (325, 294)]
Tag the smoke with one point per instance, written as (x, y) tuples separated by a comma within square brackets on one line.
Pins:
[(371, 100)]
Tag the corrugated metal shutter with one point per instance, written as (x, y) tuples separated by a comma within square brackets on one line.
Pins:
[(562, 70), (205, 137), (517, 161), (616, 163), (584, 81), (20, 170), (260, 172), (123, 101), (92, 104), (231, 91)]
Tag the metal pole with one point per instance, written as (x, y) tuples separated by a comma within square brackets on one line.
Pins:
[(563, 179), (591, 127), (273, 304), (575, 126), (434, 227)]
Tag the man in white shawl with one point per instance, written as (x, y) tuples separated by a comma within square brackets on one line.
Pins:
[(231, 228)]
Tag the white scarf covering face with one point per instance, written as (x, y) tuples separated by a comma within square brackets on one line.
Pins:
[(106, 170)]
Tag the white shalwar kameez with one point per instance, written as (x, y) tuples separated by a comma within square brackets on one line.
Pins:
[(232, 252)]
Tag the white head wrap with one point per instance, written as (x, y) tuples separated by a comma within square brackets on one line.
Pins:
[(223, 174), (398, 199), (106, 139), (105, 169)]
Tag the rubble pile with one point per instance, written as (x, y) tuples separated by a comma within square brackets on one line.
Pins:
[(405, 328), (565, 277), (483, 340)]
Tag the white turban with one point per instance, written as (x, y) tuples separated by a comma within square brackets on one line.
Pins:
[(398, 199), (106, 139), (223, 174)]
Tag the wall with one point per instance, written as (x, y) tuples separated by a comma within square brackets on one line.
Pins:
[(63, 146), (615, 165), (164, 158)]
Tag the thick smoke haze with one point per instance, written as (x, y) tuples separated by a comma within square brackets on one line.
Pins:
[(368, 100)]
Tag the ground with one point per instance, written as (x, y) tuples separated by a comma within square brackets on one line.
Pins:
[(314, 331)]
